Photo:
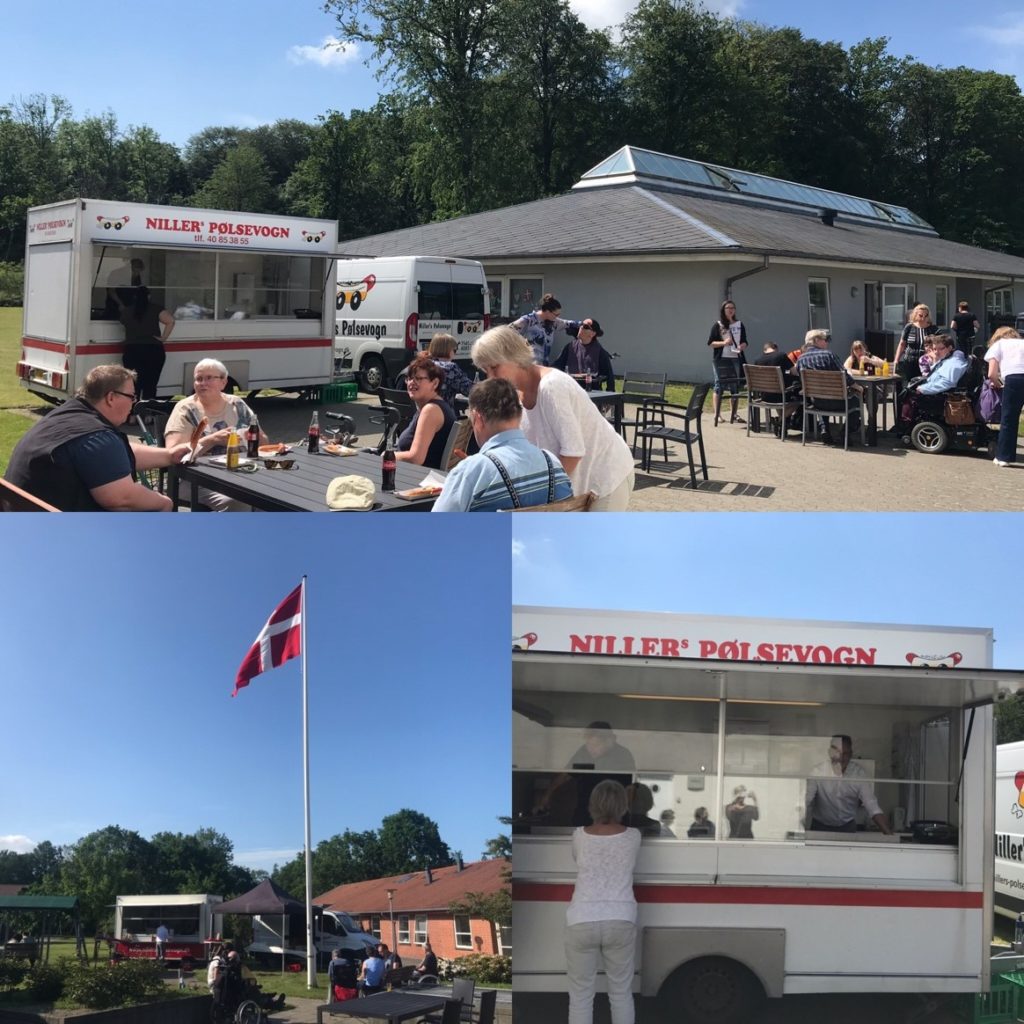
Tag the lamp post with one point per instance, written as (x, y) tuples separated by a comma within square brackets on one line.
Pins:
[(391, 914)]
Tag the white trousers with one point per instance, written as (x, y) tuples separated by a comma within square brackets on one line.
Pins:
[(617, 500), (586, 946)]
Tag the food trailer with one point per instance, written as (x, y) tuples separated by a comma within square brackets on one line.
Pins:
[(704, 709), (192, 923), (255, 291)]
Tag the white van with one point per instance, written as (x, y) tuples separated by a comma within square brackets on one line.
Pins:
[(388, 308)]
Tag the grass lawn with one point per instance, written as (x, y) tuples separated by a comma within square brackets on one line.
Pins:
[(12, 395)]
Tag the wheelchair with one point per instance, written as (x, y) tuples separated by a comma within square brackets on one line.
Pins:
[(237, 1007), (928, 430)]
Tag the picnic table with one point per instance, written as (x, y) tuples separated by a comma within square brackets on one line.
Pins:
[(303, 488), (390, 1006)]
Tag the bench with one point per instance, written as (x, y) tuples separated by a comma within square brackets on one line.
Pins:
[(21, 951), (398, 978)]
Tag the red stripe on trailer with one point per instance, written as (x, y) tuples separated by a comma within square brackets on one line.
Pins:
[(47, 346), (210, 345), (539, 892)]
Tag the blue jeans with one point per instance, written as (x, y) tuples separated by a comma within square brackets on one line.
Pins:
[(1013, 402)]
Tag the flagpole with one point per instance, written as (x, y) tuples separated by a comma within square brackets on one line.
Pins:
[(310, 949)]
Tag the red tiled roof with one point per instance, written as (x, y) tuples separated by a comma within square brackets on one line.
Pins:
[(411, 891), (11, 888)]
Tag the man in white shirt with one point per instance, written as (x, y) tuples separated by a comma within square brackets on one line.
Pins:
[(835, 791)]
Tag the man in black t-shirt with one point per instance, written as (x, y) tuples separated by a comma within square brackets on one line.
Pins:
[(965, 324)]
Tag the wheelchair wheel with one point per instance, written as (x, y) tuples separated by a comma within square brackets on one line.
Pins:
[(929, 438), (248, 1012)]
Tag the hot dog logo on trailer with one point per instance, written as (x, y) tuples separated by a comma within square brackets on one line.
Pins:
[(314, 236), (354, 292), (935, 660), (524, 642), (112, 222)]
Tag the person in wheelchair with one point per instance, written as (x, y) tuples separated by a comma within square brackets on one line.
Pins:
[(924, 397), (249, 987)]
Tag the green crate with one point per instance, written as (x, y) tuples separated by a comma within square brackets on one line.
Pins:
[(345, 392), (1000, 1006)]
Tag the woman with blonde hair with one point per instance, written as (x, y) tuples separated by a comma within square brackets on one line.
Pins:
[(442, 350), (560, 417), (601, 919), (911, 346), (1005, 357)]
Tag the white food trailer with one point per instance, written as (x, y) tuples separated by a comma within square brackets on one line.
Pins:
[(192, 922), (708, 707), (1009, 877), (255, 291)]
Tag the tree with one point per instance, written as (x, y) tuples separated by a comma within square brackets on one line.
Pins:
[(201, 862), (499, 846), (436, 49), (103, 865), (153, 170), (239, 182), (1010, 720), (410, 841)]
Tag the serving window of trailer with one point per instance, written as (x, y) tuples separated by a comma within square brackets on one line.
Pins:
[(708, 763), (180, 921), (200, 284)]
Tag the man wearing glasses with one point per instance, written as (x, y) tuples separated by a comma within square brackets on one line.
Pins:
[(76, 459)]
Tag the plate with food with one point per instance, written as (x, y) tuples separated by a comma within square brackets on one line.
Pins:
[(270, 450), (339, 449), (222, 460), (416, 493)]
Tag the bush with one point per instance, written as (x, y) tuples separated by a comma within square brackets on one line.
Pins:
[(12, 972), (45, 982), (106, 985), (12, 284), (484, 969)]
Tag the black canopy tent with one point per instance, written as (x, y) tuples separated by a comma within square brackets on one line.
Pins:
[(266, 899), (45, 909)]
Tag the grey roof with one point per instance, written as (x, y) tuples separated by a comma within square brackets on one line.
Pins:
[(630, 220)]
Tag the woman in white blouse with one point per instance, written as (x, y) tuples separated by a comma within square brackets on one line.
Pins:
[(601, 919), (561, 417)]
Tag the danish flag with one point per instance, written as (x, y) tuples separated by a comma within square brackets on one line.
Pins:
[(279, 640)]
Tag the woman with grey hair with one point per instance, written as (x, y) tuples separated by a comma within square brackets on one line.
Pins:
[(601, 919), (221, 414), (560, 417)]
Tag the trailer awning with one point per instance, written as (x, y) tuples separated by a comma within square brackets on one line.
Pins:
[(762, 682)]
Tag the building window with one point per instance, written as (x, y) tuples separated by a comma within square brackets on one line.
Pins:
[(375, 925), (1000, 302), (420, 937), (403, 929), (524, 295), (463, 934), (942, 305), (897, 301), (818, 313)]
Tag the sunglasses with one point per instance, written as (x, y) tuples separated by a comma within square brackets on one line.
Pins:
[(279, 463)]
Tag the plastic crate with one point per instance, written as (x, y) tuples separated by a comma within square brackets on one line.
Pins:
[(1000, 1006), (344, 392)]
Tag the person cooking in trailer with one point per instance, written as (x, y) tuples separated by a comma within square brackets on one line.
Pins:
[(837, 789)]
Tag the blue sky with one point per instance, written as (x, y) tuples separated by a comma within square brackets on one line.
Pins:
[(122, 636), (185, 66), (682, 563)]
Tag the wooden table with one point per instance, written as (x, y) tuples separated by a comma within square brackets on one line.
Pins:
[(302, 488), (390, 1006), (873, 384)]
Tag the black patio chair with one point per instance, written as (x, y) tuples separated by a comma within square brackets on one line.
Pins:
[(681, 424)]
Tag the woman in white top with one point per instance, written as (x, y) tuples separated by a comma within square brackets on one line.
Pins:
[(601, 919), (561, 417), (1005, 358)]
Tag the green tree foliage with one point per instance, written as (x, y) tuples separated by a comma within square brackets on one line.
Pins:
[(1010, 720), (489, 906), (241, 181), (201, 862), (499, 846)]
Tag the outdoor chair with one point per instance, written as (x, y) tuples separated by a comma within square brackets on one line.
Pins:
[(463, 990), (14, 499), (830, 386), (485, 1015), (657, 425), (458, 437), (577, 503), (768, 380), (636, 389)]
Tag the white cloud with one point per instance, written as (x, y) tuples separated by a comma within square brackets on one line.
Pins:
[(19, 844), (1008, 31), (606, 13), (265, 860), (329, 54), (518, 550)]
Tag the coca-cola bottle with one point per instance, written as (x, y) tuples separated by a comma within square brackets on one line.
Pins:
[(387, 469), (314, 435), (252, 441)]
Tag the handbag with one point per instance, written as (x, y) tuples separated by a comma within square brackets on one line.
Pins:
[(957, 411), (989, 406)]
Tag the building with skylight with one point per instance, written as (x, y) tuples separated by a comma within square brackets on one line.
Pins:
[(651, 244)]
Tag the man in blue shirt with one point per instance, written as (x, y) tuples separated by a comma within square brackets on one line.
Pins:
[(950, 365), (508, 472)]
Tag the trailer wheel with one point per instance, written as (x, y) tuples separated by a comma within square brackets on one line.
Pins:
[(373, 374), (712, 990)]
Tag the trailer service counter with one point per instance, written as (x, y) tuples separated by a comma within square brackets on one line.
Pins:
[(787, 911)]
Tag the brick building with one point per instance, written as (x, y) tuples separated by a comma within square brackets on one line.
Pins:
[(418, 909)]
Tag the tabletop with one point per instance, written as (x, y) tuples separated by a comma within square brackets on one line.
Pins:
[(304, 487), (874, 378), (391, 1006)]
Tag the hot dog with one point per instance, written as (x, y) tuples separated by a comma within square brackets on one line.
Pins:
[(197, 434), (421, 492)]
